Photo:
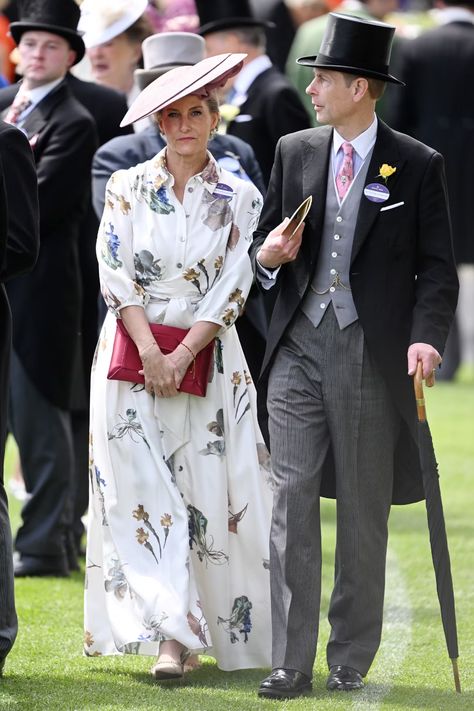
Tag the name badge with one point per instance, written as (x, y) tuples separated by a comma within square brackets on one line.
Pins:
[(375, 192)]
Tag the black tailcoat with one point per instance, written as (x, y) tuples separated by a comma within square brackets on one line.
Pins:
[(46, 303), (403, 276)]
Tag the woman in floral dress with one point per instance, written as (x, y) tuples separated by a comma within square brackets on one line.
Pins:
[(180, 485)]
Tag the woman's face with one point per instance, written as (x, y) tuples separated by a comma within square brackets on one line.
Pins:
[(187, 124), (114, 62)]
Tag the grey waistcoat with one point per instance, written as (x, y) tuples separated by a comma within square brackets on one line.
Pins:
[(331, 278)]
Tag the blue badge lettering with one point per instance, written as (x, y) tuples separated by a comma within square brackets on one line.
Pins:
[(375, 192)]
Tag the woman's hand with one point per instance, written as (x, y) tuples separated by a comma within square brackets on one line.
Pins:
[(159, 372)]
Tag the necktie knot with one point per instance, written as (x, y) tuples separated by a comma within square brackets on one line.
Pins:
[(346, 171)]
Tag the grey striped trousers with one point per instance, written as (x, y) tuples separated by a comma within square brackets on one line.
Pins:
[(325, 392)]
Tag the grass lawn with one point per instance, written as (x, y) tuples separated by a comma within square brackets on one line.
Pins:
[(46, 669)]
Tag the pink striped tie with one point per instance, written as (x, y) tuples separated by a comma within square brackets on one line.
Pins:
[(346, 171), (20, 103)]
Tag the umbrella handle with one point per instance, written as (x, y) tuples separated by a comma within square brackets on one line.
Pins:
[(419, 395)]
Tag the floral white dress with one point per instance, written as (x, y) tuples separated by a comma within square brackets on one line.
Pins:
[(180, 488)]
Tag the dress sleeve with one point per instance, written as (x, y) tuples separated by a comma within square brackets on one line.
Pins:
[(115, 247), (226, 297)]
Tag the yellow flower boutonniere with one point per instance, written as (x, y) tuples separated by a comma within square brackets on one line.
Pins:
[(386, 171), (228, 113)]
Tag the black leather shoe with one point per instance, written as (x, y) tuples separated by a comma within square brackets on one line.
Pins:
[(285, 684), (36, 566), (344, 679)]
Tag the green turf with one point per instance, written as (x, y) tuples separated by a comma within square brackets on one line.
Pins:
[(46, 669)]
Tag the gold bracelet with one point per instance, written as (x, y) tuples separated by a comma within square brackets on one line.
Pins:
[(188, 349)]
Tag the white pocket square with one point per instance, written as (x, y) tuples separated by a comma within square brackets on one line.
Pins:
[(391, 207)]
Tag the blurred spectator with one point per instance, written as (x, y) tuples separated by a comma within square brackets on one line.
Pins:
[(46, 304), (19, 243), (308, 40), (437, 107), (113, 34), (173, 15), (230, 26), (287, 16)]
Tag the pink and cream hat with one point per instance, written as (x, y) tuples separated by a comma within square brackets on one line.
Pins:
[(199, 79)]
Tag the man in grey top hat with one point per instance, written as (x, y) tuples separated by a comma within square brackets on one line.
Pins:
[(368, 289)]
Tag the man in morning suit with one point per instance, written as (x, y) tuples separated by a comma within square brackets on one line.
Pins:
[(46, 303), (19, 243), (267, 105), (368, 288)]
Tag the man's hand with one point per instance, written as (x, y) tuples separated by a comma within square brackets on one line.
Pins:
[(430, 358), (278, 249)]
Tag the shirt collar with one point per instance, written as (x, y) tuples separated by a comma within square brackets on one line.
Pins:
[(247, 76), (209, 176), (362, 144), (38, 93)]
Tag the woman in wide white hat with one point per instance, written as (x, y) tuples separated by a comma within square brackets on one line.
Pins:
[(180, 485), (113, 33)]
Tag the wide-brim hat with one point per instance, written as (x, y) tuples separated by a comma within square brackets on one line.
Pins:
[(356, 46), (168, 50), (226, 15), (200, 79), (102, 20), (59, 18)]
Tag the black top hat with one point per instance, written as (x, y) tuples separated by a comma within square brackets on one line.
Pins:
[(356, 46), (60, 17), (225, 15)]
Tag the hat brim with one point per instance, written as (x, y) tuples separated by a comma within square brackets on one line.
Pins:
[(359, 71), (181, 81), (144, 77), (232, 23), (95, 35), (74, 38)]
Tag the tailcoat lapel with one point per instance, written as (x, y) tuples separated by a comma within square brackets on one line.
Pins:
[(385, 151), (316, 154)]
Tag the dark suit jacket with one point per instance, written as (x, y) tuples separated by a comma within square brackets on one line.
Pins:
[(274, 109), (437, 107), (46, 303), (403, 276), (19, 239), (107, 107)]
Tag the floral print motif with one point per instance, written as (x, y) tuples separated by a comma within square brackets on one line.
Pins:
[(157, 199), (216, 447), (239, 407), (128, 426), (198, 626), (147, 268), (197, 524), (143, 538), (117, 582), (111, 245), (239, 620), (235, 518)]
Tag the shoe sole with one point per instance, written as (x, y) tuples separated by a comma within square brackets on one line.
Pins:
[(274, 694)]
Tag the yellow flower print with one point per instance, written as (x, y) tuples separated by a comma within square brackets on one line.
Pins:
[(218, 263), (140, 514), (190, 274), (88, 639), (142, 536), (166, 520), (386, 171), (236, 378), (228, 317), (237, 297)]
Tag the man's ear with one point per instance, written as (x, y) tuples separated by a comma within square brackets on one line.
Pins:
[(360, 88)]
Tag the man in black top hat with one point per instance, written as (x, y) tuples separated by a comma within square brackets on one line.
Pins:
[(266, 104), (46, 304), (368, 289)]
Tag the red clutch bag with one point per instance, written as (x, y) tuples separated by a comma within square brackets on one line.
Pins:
[(125, 362)]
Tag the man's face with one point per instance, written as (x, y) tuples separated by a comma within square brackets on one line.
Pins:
[(44, 57), (332, 99)]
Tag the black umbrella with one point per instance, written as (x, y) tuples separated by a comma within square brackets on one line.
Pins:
[(437, 528)]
